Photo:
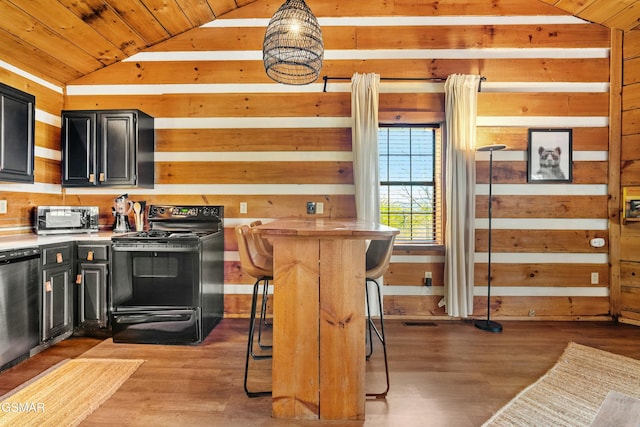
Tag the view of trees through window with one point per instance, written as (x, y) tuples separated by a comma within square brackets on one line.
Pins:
[(409, 178)]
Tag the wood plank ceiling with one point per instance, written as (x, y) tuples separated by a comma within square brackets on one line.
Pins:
[(71, 38)]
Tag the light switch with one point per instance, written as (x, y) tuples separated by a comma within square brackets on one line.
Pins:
[(243, 207), (3, 206)]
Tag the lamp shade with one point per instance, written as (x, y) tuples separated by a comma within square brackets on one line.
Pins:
[(293, 49)]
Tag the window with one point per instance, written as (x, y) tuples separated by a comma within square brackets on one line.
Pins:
[(410, 182)]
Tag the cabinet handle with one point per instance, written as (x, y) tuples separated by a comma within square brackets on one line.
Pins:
[(59, 258), (90, 256), (47, 286), (101, 176), (78, 279), (92, 177)]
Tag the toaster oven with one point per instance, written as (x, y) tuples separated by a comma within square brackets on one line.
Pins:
[(66, 219)]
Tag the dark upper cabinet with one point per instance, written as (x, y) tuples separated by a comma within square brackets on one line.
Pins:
[(107, 148), (17, 125)]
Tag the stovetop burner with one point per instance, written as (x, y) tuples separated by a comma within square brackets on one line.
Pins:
[(164, 234), (173, 223)]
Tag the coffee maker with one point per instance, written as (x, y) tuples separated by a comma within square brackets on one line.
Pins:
[(121, 208)]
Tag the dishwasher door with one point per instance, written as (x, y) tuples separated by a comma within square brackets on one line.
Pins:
[(19, 304)]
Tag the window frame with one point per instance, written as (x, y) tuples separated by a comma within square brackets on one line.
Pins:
[(437, 184)]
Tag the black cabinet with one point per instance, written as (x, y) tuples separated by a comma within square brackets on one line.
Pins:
[(108, 148), (17, 125), (57, 291), (92, 284)]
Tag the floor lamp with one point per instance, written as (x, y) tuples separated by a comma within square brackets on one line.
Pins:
[(488, 324)]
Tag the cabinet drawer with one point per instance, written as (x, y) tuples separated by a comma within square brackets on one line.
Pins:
[(55, 255), (93, 252)]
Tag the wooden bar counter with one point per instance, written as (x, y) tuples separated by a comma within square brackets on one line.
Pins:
[(319, 316)]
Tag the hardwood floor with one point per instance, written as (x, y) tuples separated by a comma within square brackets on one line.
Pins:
[(442, 374)]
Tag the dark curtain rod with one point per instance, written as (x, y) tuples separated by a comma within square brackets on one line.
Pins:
[(433, 79)]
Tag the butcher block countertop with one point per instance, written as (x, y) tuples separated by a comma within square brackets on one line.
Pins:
[(325, 227), (30, 240)]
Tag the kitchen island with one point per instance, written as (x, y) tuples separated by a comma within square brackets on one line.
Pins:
[(319, 316)]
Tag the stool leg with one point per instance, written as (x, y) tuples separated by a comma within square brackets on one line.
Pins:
[(250, 353), (263, 314), (381, 337), (370, 335)]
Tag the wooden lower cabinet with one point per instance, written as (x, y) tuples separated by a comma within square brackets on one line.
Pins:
[(630, 291), (630, 273)]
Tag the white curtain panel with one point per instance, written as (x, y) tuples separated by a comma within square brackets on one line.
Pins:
[(365, 89), (461, 95)]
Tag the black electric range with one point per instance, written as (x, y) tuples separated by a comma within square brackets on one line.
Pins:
[(167, 282)]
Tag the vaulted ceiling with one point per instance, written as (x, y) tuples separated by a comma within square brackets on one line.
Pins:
[(71, 38)]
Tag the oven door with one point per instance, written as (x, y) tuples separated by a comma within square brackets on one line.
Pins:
[(155, 293)]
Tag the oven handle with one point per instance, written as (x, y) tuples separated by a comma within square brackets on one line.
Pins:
[(153, 248), (155, 318)]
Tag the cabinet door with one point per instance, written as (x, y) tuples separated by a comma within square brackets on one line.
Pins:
[(17, 126), (118, 147), (79, 154), (57, 302), (92, 295)]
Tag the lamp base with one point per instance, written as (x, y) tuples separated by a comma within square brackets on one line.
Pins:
[(488, 325)]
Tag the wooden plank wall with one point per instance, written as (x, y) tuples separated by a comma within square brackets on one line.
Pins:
[(226, 134), (630, 178)]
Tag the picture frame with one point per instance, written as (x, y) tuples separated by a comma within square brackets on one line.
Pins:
[(633, 208), (550, 156)]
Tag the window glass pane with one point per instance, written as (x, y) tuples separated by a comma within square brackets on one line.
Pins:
[(383, 169), (421, 168), (399, 168)]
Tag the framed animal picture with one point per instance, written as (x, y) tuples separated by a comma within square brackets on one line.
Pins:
[(549, 156)]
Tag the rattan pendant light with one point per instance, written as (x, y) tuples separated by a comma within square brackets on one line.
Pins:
[(293, 49)]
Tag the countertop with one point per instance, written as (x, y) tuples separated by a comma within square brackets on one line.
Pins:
[(325, 227), (19, 241)]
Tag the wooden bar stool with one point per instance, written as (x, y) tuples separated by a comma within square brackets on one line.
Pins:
[(261, 268), (378, 258)]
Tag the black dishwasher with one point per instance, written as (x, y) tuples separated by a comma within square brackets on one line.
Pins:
[(19, 304)]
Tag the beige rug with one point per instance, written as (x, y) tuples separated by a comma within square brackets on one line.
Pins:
[(65, 394), (571, 392)]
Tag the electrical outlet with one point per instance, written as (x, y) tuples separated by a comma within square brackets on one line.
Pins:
[(319, 208), (311, 207), (428, 278), (243, 207), (595, 278), (3, 206)]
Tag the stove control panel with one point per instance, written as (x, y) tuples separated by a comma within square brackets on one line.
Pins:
[(185, 213)]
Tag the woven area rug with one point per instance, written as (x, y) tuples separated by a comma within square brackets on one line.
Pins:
[(65, 394), (571, 393)]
